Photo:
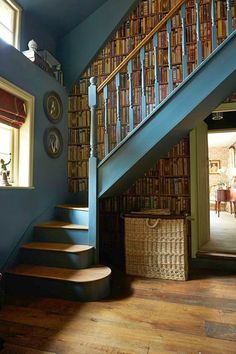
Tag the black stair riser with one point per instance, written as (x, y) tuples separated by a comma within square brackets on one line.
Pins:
[(61, 235), (73, 216), (57, 259), (89, 291)]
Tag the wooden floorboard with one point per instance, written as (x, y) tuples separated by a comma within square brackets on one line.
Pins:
[(141, 316)]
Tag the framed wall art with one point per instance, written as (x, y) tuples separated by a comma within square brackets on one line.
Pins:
[(53, 106), (214, 166), (53, 142)]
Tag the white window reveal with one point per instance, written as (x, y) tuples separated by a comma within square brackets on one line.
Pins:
[(10, 13)]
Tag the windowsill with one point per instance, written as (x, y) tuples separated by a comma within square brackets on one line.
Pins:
[(16, 187)]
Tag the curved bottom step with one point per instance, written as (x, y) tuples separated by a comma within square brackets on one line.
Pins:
[(88, 284)]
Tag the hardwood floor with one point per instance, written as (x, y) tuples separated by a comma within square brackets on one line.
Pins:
[(142, 316)]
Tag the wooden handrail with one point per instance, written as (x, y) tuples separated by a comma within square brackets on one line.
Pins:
[(140, 45)]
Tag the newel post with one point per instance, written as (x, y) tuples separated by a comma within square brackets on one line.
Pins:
[(92, 185)]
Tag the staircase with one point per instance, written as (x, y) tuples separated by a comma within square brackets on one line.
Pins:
[(60, 262)]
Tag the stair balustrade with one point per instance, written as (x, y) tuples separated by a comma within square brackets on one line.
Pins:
[(110, 90)]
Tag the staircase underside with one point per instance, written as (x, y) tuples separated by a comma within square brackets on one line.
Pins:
[(208, 86)]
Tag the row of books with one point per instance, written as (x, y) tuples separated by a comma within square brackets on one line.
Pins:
[(78, 152), (180, 149), (176, 204), (78, 169), (148, 7), (81, 152), (80, 87), (78, 103), (78, 185), (78, 119), (176, 166), (81, 119), (145, 186), (79, 136), (160, 186), (177, 186)]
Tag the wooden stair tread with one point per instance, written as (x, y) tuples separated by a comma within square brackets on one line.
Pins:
[(58, 224), (64, 274), (72, 206), (60, 247)]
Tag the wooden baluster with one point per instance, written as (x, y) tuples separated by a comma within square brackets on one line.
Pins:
[(131, 108), (156, 76), (92, 197), (170, 73), (118, 117), (184, 47), (143, 86), (198, 33), (229, 18), (106, 129), (213, 25)]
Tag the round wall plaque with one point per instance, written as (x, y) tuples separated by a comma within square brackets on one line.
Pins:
[(53, 142), (53, 106)]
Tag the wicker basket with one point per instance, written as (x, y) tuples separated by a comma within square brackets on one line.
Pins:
[(156, 246)]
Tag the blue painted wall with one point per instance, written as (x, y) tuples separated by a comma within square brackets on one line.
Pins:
[(32, 28), (77, 49), (20, 207)]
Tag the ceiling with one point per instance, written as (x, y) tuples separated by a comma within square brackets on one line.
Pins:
[(60, 16), (225, 139)]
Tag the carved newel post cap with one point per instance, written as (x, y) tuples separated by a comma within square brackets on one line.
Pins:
[(32, 45), (93, 80)]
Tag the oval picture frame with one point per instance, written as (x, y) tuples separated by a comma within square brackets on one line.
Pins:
[(53, 106), (53, 142)]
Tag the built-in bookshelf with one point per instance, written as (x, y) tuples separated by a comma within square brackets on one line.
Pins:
[(147, 14), (165, 186)]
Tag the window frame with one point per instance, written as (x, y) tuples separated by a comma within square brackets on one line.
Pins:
[(23, 140), (16, 22)]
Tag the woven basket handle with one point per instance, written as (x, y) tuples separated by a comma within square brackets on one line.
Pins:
[(152, 226)]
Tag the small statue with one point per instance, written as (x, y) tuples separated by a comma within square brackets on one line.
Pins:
[(4, 172), (32, 45)]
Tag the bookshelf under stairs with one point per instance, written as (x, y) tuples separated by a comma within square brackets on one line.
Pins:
[(60, 262)]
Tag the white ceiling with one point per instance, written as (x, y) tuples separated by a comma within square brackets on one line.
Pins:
[(221, 139)]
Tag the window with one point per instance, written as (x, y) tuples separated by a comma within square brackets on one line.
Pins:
[(7, 148), (9, 22), (16, 134)]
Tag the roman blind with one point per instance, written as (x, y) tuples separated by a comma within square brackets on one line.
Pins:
[(13, 110)]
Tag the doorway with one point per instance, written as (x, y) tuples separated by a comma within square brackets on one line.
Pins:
[(222, 176)]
